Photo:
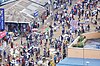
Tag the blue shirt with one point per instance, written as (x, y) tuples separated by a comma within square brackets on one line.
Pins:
[(55, 57)]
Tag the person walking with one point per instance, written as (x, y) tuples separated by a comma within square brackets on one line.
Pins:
[(55, 46), (49, 63), (4, 54), (48, 52), (88, 27), (23, 62), (41, 42), (11, 44), (46, 38), (32, 62), (55, 58)]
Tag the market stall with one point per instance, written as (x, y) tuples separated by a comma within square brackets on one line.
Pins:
[(2, 43), (2, 34)]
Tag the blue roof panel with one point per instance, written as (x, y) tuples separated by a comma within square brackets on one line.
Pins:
[(79, 62)]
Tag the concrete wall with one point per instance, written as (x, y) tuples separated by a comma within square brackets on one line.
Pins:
[(86, 53), (92, 35), (74, 42)]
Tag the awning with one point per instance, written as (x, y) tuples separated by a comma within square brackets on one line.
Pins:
[(16, 22), (2, 34)]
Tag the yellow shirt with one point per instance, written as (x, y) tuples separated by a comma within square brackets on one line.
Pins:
[(52, 63)]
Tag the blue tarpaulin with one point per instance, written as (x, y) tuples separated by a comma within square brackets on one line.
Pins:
[(2, 24), (79, 62)]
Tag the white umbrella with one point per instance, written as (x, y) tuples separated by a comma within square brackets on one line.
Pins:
[(11, 51), (16, 52), (65, 35), (40, 62), (87, 20), (98, 7), (51, 49), (35, 30), (54, 52)]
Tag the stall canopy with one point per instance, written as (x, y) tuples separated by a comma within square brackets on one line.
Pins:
[(2, 34)]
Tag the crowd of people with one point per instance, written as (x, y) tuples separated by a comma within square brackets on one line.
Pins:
[(84, 14)]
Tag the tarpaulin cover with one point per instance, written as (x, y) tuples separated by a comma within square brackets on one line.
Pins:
[(2, 34)]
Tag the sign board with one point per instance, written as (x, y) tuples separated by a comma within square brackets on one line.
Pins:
[(2, 19), (35, 13)]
